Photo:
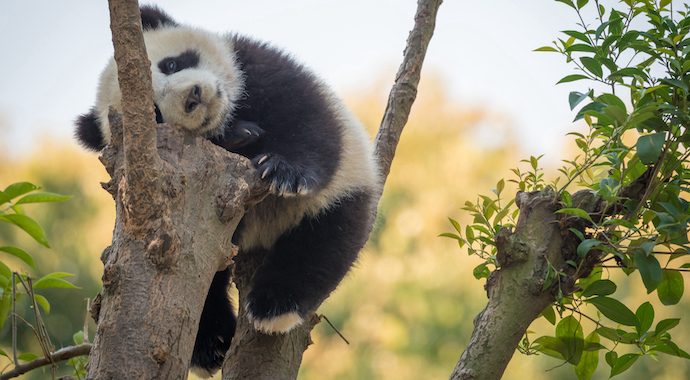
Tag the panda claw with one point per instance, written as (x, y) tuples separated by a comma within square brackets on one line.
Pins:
[(264, 174), (262, 160)]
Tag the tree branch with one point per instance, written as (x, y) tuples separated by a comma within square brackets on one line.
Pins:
[(65, 353)]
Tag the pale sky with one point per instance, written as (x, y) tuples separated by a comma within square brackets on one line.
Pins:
[(52, 53)]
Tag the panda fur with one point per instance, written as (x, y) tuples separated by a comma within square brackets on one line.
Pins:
[(311, 153)]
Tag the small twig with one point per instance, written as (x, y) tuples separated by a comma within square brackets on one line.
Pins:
[(333, 327), (65, 353), (618, 267)]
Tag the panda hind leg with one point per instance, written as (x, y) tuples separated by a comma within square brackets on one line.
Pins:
[(216, 328), (307, 264)]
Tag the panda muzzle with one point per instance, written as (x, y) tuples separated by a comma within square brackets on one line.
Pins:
[(193, 99)]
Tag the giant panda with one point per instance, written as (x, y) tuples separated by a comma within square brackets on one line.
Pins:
[(313, 156)]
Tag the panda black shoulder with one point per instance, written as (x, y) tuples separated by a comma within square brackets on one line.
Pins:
[(292, 105)]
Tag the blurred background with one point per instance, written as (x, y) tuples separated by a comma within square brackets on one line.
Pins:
[(486, 101)]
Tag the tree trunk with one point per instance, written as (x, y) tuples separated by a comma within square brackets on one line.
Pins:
[(515, 291)]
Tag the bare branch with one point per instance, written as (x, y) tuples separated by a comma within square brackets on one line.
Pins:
[(65, 353)]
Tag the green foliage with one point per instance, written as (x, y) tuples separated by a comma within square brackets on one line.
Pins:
[(641, 92), (12, 212)]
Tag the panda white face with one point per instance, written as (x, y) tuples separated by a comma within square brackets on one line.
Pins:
[(196, 80)]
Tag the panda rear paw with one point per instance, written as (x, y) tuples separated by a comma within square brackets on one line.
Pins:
[(282, 178), (272, 311), (209, 354)]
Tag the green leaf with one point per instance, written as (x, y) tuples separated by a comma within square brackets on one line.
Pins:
[(611, 358), (572, 78), (576, 98), (3, 353), (671, 288), (46, 283), (549, 314), (569, 2), (581, 3), (43, 302), (579, 35), (649, 147), (569, 331), (623, 363), (5, 306), (593, 66), (28, 225), (589, 361), (600, 288), (665, 325), (21, 254), (546, 48), (645, 315), (20, 188), (615, 310), (671, 348), (481, 271), (577, 212), (675, 83), (78, 337), (456, 225), (27, 356), (649, 268), (585, 246), (551, 346), (42, 197)]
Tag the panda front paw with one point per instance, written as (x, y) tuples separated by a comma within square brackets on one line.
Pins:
[(282, 178), (271, 311), (241, 134)]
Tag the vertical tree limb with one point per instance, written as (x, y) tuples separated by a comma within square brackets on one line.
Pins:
[(515, 291), (134, 77), (179, 199)]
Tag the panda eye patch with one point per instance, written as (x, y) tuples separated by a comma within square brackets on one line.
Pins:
[(186, 60)]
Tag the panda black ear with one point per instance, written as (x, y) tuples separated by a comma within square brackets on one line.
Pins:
[(89, 131), (153, 17)]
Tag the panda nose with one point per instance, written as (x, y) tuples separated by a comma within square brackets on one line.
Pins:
[(193, 99)]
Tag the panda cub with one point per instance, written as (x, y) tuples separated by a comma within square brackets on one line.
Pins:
[(313, 156)]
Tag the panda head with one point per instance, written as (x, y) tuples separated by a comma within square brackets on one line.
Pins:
[(196, 80)]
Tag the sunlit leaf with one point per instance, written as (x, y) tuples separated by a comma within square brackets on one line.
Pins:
[(43, 302), (569, 331), (589, 361), (21, 254), (27, 356), (577, 212), (28, 225), (42, 197), (46, 283), (16, 189), (671, 287)]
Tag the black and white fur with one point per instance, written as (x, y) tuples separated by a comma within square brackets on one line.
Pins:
[(314, 157)]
